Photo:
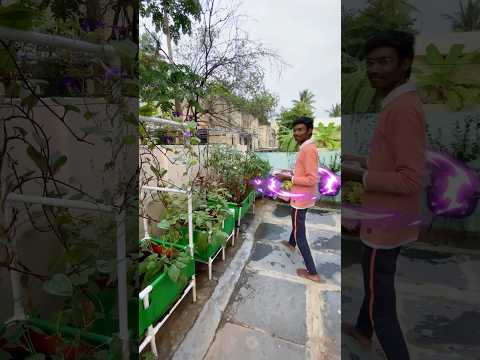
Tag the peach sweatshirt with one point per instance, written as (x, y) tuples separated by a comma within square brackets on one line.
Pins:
[(396, 167), (305, 176)]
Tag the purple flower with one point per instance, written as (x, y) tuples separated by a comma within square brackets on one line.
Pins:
[(89, 25), (187, 134), (119, 31), (69, 83), (113, 72)]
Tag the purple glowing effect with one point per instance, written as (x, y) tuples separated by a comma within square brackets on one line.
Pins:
[(272, 187), (329, 184), (454, 186), (453, 192)]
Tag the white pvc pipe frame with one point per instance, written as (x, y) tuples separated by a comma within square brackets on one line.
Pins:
[(19, 313), (109, 53), (144, 295)]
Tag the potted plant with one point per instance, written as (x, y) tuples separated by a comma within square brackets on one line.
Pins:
[(208, 222), (234, 170), (166, 268)]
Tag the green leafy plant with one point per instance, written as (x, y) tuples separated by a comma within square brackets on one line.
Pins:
[(169, 260), (442, 81), (286, 141), (357, 94), (352, 192), (234, 170), (333, 164), (327, 136), (209, 211), (287, 185)]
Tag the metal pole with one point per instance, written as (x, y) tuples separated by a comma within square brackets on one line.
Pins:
[(155, 188), (122, 282), (55, 41), (190, 221), (48, 201), (160, 121)]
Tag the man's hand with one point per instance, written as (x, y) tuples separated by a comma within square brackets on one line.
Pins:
[(362, 160), (352, 173), (283, 176)]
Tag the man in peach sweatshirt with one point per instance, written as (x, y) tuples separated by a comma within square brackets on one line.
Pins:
[(392, 176), (304, 190)]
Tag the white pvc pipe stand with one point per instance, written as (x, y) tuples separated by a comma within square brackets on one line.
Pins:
[(152, 331)]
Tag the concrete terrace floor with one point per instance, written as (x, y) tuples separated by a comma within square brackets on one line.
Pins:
[(438, 294), (273, 313)]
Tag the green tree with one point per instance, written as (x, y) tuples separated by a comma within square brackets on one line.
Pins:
[(307, 97), (161, 82), (357, 26), (467, 18), (335, 111), (301, 107), (259, 104), (172, 17), (377, 16)]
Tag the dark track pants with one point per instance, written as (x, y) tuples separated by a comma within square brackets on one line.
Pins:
[(298, 237), (379, 312)]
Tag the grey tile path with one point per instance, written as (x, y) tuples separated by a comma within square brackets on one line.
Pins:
[(274, 314), (437, 301)]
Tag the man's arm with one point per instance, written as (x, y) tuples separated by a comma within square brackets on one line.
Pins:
[(310, 159), (408, 145), (362, 160)]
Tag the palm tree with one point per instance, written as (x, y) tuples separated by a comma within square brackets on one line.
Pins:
[(335, 111), (467, 18), (306, 97)]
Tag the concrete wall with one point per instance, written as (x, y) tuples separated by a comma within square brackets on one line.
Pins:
[(39, 250)]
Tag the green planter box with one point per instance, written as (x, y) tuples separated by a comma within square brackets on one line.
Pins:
[(98, 334), (201, 253), (163, 295), (236, 211), (229, 223)]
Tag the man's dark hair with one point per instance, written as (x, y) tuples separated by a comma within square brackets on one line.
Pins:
[(307, 121), (402, 41)]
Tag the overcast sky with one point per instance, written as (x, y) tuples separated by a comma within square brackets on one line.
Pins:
[(306, 34)]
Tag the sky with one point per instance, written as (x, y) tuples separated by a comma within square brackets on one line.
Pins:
[(306, 34)]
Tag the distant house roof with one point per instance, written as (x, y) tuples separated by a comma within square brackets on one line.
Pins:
[(325, 121)]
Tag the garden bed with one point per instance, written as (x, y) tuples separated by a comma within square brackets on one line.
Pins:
[(164, 292)]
